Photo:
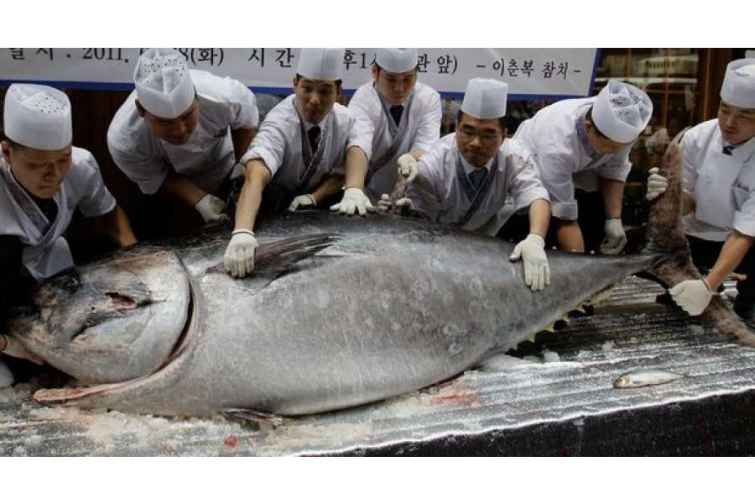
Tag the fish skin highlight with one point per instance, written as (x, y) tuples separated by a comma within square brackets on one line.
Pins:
[(645, 378), (340, 312)]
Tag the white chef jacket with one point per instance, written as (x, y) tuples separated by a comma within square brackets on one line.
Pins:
[(439, 190), (386, 141), (281, 143), (46, 251), (207, 158), (557, 138), (723, 185)]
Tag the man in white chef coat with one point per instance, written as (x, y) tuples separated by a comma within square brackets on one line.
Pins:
[(719, 195), (43, 180), (465, 178), (585, 144), (400, 117), (181, 132), (307, 149)]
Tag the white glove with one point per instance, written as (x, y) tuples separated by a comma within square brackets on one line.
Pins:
[(693, 296), (657, 184), (385, 204), (354, 200), (239, 255), (9, 346), (407, 167), (537, 273), (615, 239), (211, 209), (302, 201)]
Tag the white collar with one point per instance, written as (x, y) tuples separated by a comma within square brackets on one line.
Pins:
[(468, 168)]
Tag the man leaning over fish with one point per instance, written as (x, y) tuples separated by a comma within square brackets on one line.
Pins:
[(466, 176), (305, 148), (719, 196), (43, 180)]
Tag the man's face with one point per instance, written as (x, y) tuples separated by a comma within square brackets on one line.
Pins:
[(737, 124), (601, 143), (478, 140), (41, 172), (174, 131), (394, 87), (315, 98)]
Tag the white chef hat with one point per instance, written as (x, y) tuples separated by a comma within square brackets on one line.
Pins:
[(396, 60), (321, 64), (738, 88), (38, 116), (621, 111), (485, 98), (163, 83)]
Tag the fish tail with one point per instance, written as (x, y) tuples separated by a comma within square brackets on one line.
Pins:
[(666, 235)]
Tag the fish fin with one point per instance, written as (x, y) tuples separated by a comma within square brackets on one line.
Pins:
[(258, 419), (280, 256)]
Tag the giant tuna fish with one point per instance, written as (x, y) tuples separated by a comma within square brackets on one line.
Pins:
[(340, 312)]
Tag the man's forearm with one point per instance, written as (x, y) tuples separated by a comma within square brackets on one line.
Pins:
[(356, 168), (734, 250), (570, 236), (241, 139), (613, 195), (183, 189), (117, 227), (248, 205), (330, 186), (540, 214)]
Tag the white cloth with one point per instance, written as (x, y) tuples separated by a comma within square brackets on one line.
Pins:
[(163, 83), (556, 137), (485, 98), (46, 251), (396, 60), (723, 186), (738, 88), (321, 64), (207, 158), (279, 145), (622, 111), (37, 116), (438, 193), (419, 129)]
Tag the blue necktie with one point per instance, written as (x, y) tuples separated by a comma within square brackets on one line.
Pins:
[(396, 112), (476, 177), (727, 149)]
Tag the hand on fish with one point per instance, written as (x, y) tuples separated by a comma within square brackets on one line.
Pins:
[(531, 250), (400, 206), (303, 201), (693, 296), (354, 200), (407, 167), (212, 209), (239, 255), (616, 238)]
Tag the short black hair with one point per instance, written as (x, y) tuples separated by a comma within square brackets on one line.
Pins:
[(501, 121)]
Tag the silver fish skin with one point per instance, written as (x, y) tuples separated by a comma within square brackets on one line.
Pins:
[(645, 378), (340, 312)]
